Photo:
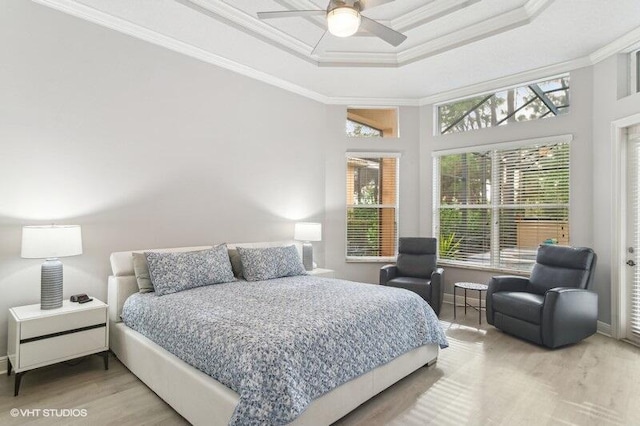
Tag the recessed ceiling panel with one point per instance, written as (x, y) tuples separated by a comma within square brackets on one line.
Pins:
[(451, 43)]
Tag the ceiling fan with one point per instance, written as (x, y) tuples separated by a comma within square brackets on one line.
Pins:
[(344, 19)]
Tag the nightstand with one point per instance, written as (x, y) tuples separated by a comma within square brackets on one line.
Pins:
[(321, 272), (43, 337)]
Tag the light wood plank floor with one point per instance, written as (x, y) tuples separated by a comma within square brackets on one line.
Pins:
[(484, 378)]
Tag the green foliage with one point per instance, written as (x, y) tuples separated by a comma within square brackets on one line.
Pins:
[(357, 220), (533, 184), (488, 111), (448, 246)]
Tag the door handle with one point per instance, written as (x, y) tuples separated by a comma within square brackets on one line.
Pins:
[(631, 263)]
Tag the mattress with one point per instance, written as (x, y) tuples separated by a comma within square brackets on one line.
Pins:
[(282, 343)]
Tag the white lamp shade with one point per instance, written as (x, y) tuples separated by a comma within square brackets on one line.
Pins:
[(308, 231), (343, 21), (47, 242)]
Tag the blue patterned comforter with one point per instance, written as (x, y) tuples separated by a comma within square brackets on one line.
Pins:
[(282, 343)]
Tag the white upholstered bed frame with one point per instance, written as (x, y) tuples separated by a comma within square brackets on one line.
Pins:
[(203, 400)]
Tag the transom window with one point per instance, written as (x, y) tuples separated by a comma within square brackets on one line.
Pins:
[(372, 206), (493, 207), (533, 101), (372, 123), (634, 72), (360, 130)]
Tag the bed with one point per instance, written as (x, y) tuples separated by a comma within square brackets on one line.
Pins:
[(202, 399)]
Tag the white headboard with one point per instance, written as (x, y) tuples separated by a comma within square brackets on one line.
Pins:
[(122, 282)]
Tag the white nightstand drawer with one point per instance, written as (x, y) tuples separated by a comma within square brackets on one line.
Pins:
[(47, 351), (54, 324)]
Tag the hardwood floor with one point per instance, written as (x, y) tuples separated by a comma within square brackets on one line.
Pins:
[(485, 377)]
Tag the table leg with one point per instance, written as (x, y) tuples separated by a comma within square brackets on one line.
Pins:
[(16, 388), (454, 302), (480, 306), (105, 357), (8, 367), (465, 302)]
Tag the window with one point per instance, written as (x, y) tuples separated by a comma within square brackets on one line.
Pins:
[(372, 122), (372, 206), (537, 100), (634, 71), (359, 130), (493, 207)]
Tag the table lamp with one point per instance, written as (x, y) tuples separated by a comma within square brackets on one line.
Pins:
[(307, 232), (51, 242)]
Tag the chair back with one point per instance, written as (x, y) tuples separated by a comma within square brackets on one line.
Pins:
[(416, 257), (561, 266)]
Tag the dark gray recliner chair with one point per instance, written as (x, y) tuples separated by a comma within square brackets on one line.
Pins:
[(416, 270), (554, 306)]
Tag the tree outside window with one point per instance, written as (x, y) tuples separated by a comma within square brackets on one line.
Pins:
[(493, 208), (372, 206)]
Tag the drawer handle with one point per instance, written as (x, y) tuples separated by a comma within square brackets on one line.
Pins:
[(62, 333)]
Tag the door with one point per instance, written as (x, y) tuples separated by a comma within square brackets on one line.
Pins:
[(631, 292)]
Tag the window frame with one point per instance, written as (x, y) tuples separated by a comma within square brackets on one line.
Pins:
[(634, 72), (396, 120), (494, 205), (396, 206), (437, 128)]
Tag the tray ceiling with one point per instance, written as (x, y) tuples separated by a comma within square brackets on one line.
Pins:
[(432, 27), (453, 46)]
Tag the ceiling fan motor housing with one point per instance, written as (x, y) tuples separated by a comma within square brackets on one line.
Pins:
[(353, 4)]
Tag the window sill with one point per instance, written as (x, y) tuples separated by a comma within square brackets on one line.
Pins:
[(371, 260), (448, 264)]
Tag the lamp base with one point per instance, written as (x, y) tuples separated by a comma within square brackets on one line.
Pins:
[(307, 256), (51, 284)]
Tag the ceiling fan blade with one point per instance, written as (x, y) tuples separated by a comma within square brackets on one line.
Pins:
[(368, 4), (389, 35), (291, 13), (315, 48)]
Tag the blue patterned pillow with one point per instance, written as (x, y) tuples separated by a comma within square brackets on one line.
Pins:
[(177, 271), (270, 262)]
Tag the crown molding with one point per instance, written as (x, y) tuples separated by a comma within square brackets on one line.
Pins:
[(498, 24), (248, 23), (71, 7), (90, 14), (429, 12), (505, 82), (372, 102), (436, 9), (629, 41)]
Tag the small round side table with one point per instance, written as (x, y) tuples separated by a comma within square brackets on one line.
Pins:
[(469, 286)]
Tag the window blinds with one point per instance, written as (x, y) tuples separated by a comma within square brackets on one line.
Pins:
[(372, 205), (494, 207)]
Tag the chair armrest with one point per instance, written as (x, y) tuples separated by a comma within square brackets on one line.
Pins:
[(388, 272), (437, 289), (503, 283), (568, 315)]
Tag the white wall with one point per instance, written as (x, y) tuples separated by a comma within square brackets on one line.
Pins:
[(609, 104), (141, 146), (338, 143)]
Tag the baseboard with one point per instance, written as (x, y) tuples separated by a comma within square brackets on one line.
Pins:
[(604, 328), (3, 365)]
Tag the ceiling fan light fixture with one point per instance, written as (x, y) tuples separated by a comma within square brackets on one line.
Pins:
[(343, 21)]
